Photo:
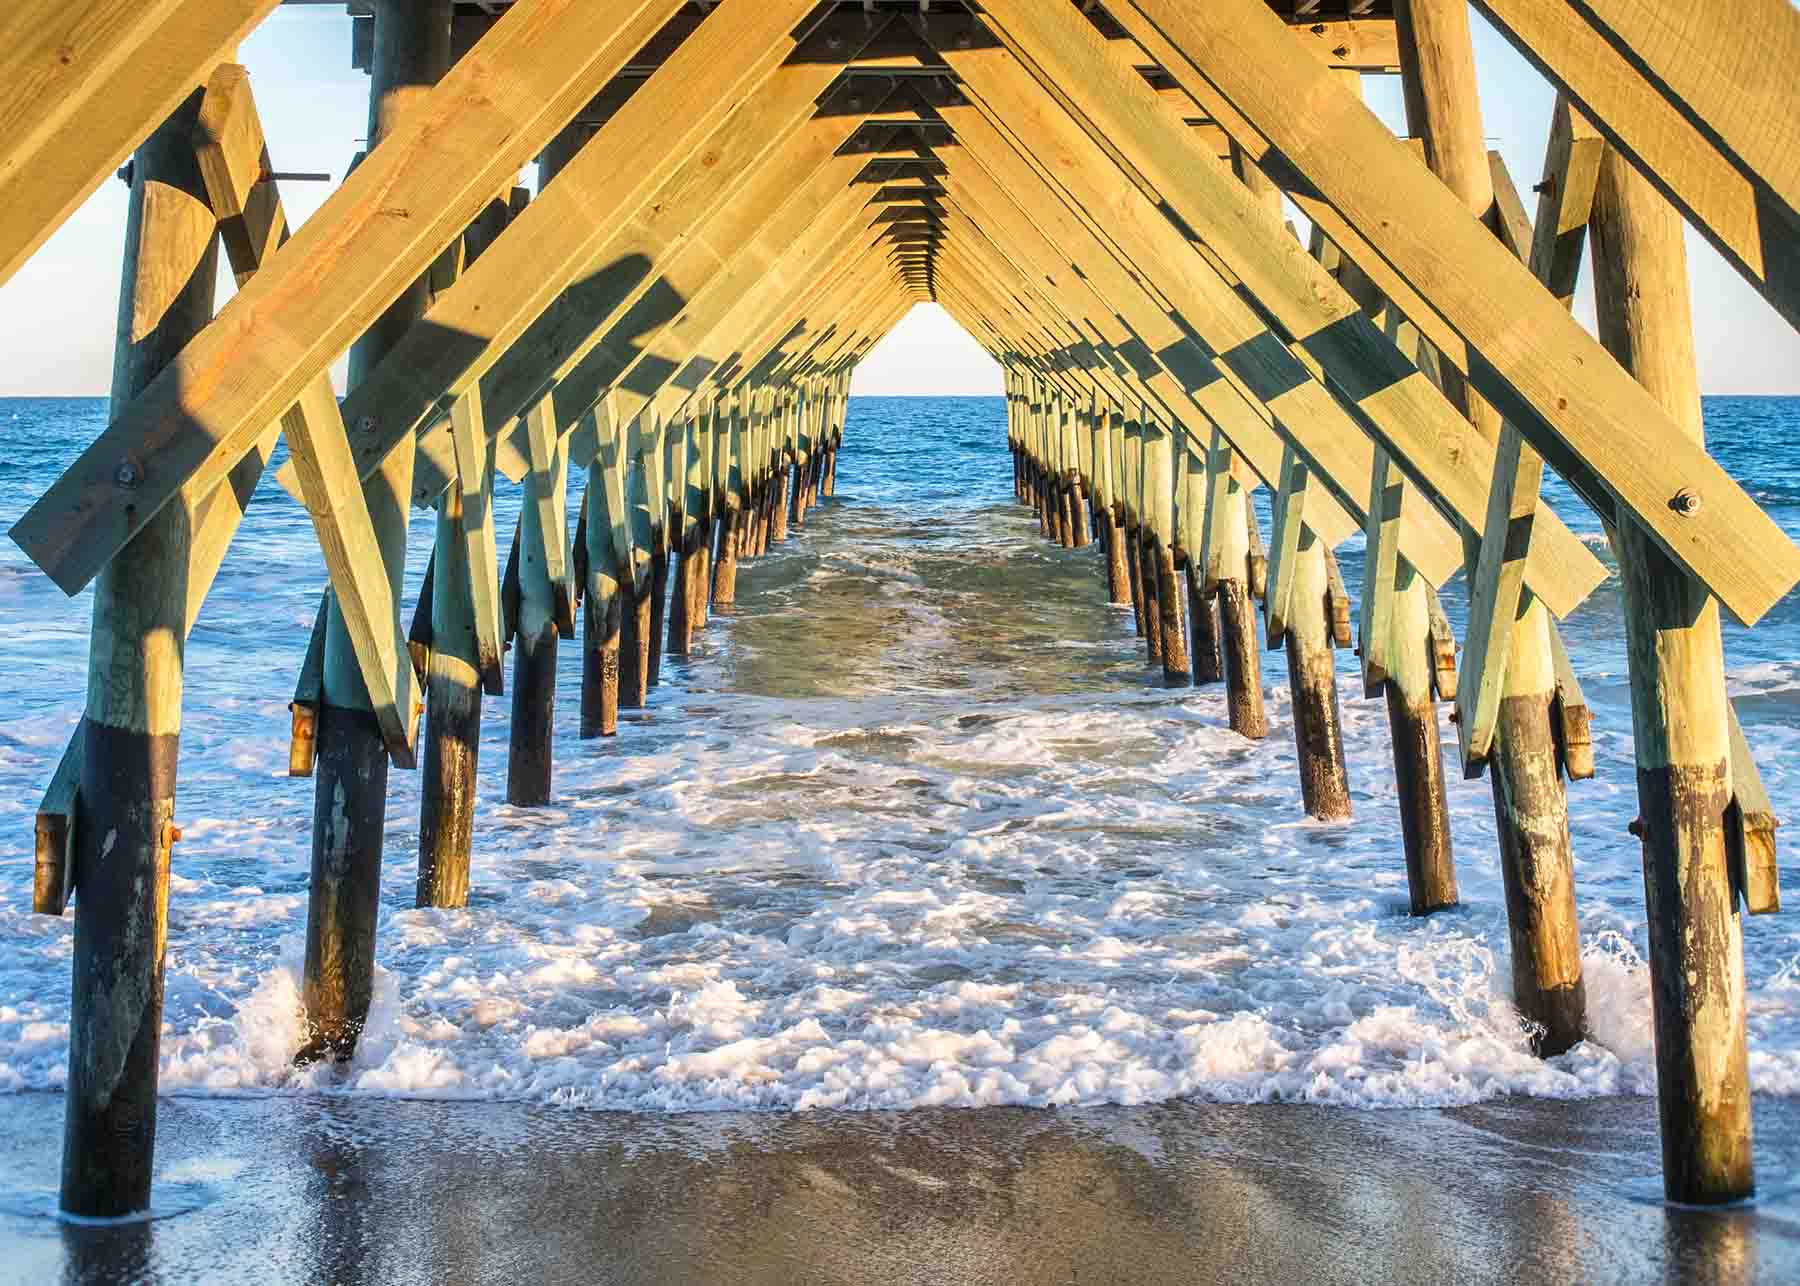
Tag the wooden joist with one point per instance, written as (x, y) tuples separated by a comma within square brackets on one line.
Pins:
[(372, 239), (320, 447), (1496, 585), (1383, 394), (85, 81), (1700, 97), (1574, 403)]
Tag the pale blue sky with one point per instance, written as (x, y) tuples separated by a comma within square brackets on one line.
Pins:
[(57, 314)]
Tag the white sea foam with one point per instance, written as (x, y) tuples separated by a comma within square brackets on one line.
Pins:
[(911, 828)]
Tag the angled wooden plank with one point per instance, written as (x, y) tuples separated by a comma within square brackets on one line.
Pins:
[(545, 448), (475, 487), (594, 245), (1539, 368), (57, 817), (1384, 394), (235, 166), (65, 114), (1565, 199), (1442, 645), (1570, 718), (1701, 99), (1566, 195), (1288, 519), (1750, 824), (1381, 566), (1337, 602), (320, 447), (1214, 540), (1495, 593), (372, 239)]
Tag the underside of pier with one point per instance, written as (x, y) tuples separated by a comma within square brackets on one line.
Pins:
[(735, 201)]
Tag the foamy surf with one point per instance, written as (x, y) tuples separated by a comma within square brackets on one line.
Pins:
[(912, 828)]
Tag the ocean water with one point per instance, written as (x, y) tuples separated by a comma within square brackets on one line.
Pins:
[(915, 825)]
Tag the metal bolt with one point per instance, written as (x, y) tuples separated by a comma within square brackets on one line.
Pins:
[(366, 425), (1685, 502), (128, 475)]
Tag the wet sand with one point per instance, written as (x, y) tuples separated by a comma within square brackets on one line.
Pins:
[(326, 1189)]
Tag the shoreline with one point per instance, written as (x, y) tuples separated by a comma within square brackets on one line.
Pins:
[(332, 1188)]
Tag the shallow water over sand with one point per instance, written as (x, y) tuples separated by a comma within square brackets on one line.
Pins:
[(1518, 1191), (914, 826)]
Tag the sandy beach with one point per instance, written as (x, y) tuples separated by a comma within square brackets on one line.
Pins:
[(326, 1189)]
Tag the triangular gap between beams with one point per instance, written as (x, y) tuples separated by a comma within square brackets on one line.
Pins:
[(927, 354)]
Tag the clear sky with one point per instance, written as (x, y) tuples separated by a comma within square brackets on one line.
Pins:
[(58, 313)]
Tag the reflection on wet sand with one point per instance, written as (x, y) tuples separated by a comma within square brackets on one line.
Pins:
[(341, 1190)]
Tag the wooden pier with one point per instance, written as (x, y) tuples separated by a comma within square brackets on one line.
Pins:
[(736, 200)]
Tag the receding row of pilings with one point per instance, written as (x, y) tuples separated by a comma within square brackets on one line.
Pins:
[(1163, 503), (1090, 428), (683, 486), (672, 509)]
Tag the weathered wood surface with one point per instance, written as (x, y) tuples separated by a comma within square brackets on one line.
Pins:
[(320, 448), (1701, 98), (65, 114), (1394, 402), (1539, 367), (394, 214)]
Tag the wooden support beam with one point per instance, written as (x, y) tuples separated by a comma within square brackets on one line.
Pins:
[(1288, 519), (1701, 99), (1333, 340), (1381, 565), (474, 485), (1538, 367), (1680, 728), (319, 445), (473, 131), (65, 114), (132, 721), (1496, 587), (1750, 825), (544, 451)]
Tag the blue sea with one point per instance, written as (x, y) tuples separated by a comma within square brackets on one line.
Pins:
[(915, 825)]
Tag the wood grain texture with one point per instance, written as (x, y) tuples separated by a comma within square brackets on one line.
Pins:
[(1538, 366), (373, 237)]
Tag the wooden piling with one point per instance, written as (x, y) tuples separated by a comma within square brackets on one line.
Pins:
[(1244, 706), (602, 638), (1530, 804), (350, 779), (452, 720), (132, 727), (1680, 728), (1418, 750), (542, 570), (1196, 490), (1312, 681)]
